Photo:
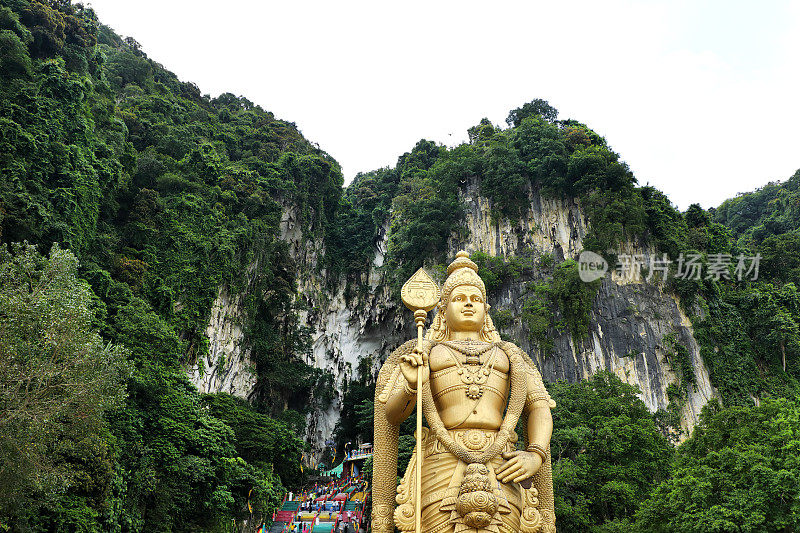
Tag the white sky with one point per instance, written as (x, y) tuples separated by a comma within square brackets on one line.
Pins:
[(701, 98)]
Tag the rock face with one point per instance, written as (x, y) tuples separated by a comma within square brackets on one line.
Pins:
[(628, 321), (627, 329), (627, 332), (228, 367), (549, 226), (345, 332)]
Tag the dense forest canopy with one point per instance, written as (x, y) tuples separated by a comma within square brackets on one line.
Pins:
[(164, 195), (129, 201)]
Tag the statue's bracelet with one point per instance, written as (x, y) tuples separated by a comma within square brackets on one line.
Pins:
[(409, 390), (538, 450)]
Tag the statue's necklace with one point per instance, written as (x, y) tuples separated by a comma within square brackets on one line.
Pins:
[(470, 348), (472, 375), (516, 403)]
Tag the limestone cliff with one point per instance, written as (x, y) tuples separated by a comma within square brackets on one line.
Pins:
[(344, 332), (227, 367), (629, 318)]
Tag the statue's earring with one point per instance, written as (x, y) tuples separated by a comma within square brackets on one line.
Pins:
[(438, 320), (489, 332)]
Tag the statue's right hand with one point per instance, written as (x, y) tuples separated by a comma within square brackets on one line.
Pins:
[(409, 364)]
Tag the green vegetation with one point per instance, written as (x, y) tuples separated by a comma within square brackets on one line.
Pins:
[(565, 292), (426, 210), (747, 329), (745, 346), (260, 440), (153, 200), (502, 319), (608, 453), (680, 359), (495, 271), (738, 472), (363, 212), (164, 196), (559, 158), (357, 414), (615, 471), (57, 378), (669, 420), (573, 296), (768, 220), (538, 315)]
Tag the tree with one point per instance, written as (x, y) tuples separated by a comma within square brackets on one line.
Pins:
[(505, 180), (573, 296), (738, 472), (781, 257), (57, 375), (534, 107), (607, 450), (772, 317), (14, 40), (481, 134), (260, 440), (541, 146), (664, 222)]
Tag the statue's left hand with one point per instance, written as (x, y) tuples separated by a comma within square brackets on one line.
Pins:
[(519, 466)]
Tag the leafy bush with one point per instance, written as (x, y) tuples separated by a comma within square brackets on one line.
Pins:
[(57, 378), (573, 296), (502, 318), (738, 472), (538, 315), (495, 270), (680, 359), (608, 453)]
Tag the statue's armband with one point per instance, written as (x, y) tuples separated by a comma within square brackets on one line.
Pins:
[(536, 390), (391, 385)]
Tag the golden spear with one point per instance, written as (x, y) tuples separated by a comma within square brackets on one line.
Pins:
[(420, 294)]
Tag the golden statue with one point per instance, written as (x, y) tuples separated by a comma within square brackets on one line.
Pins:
[(475, 388)]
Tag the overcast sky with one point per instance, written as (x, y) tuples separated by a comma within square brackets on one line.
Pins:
[(700, 98)]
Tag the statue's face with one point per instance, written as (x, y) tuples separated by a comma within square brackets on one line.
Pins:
[(466, 310)]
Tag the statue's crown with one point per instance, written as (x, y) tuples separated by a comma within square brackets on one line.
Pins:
[(462, 260), (462, 271)]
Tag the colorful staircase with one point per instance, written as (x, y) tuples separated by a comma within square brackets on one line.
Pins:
[(284, 515), (277, 527), (291, 505), (351, 506)]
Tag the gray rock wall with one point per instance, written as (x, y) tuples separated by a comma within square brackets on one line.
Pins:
[(228, 366), (629, 318)]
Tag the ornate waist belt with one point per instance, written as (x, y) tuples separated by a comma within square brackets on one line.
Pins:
[(474, 440)]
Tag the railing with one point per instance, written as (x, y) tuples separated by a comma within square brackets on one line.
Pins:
[(357, 454)]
